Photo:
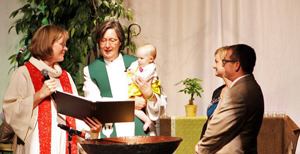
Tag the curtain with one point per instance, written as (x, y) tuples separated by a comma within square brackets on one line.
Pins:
[(187, 33)]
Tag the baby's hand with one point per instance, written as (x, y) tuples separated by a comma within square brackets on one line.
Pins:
[(130, 70)]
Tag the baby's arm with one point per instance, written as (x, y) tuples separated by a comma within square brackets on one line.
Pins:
[(130, 70)]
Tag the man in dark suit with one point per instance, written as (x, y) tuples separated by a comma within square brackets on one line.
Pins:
[(234, 125)]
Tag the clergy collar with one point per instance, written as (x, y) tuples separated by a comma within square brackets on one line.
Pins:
[(118, 59)]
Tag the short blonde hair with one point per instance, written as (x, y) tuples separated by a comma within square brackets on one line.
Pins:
[(222, 51), (44, 38), (149, 48)]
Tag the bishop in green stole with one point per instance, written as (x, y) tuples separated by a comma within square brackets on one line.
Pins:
[(98, 74)]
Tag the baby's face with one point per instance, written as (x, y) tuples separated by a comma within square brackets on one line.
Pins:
[(144, 58)]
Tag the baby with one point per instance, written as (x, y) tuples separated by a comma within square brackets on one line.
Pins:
[(145, 68)]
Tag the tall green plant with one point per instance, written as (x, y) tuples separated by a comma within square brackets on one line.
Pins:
[(191, 87), (79, 17)]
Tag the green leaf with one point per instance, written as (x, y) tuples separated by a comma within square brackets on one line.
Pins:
[(12, 60), (27, 56), (55, 10), (11, 69), (122, 12), (47, 13), (131, 47), (129, 15), (13, 14), (106, 3), (86, 49), (72, 32), (10, 28), (12, 57), (17, 28)]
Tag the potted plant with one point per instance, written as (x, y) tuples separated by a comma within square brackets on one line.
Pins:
[(191, 87)]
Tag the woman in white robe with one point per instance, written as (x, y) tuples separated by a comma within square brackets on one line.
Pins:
[(110, 37), (22, 101)]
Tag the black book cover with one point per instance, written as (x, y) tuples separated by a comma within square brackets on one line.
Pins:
[(106, 111)]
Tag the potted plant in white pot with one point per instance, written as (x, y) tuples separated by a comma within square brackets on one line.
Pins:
[(191, 87)]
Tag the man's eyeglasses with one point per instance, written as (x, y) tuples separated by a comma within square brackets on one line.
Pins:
[(111, 41), (224, 61)]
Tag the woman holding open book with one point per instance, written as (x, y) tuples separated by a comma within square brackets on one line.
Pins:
[(27, 104), (106, 78)]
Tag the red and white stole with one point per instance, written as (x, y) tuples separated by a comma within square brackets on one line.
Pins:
[(44, 112)]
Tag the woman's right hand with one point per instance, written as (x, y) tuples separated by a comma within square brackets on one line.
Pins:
[(94, 124), (47, 89)]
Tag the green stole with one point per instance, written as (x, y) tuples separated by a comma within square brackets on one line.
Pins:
[(99, 76)]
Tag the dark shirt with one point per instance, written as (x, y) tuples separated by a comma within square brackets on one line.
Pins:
[(212, 106)]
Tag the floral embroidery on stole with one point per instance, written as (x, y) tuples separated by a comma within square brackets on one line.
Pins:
[(44, 111)]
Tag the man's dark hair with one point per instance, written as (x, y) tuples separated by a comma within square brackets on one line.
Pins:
[(245, 55)]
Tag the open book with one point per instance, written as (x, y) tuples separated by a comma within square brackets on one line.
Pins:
[(106, 111)]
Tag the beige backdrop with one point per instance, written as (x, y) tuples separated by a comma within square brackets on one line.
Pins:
[(187, 33), (9, 43)]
